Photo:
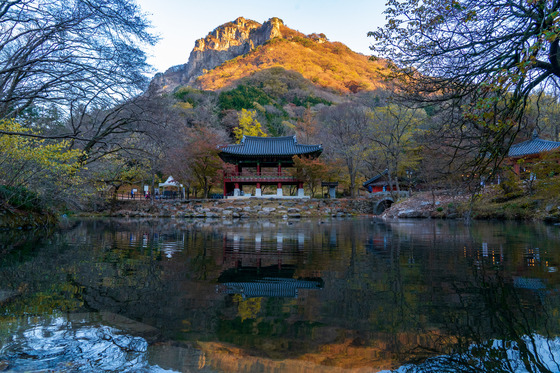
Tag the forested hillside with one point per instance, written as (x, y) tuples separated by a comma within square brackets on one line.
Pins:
[(325, 64)]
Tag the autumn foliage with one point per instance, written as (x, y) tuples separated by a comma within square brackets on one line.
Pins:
[(312, 170), (248, 125), (196, 160), (326, 64)]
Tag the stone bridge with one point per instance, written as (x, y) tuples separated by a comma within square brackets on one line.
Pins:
[(383, 200)]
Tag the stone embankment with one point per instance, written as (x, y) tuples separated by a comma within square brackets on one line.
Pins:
[(440, 205), (246, 208)]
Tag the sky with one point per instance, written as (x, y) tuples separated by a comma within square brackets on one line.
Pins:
[(179, 23)]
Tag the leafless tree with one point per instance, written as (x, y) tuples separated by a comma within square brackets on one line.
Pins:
[(343, 128), (133, 126), (476, 61), (70, 53), (392, 137)]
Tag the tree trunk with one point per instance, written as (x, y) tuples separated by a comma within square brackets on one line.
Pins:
[(114, 199), (205, 187), (352, 180), (152, 194)]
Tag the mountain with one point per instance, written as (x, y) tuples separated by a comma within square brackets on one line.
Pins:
[(224, 43), (243, 47)]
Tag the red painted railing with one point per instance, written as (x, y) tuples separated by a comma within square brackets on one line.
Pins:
[(262, 176)]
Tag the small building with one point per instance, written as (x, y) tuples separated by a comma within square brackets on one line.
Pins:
[(379, 183), (263, 161), (529, 151)]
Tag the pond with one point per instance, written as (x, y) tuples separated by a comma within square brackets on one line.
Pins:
[(340, 295)]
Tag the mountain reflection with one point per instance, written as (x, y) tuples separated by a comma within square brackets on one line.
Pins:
[(307, 295)]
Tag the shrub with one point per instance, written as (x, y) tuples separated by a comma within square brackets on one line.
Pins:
[(21, 198), (243, 97), (309, 101)]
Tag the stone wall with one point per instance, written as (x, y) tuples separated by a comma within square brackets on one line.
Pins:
[(245, 208)]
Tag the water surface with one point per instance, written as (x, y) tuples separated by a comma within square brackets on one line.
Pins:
[(355, 295)]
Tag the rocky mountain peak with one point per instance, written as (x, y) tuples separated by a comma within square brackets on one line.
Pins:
[(225, 42)]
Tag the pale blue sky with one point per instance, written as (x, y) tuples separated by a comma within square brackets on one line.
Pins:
[(180, 22)]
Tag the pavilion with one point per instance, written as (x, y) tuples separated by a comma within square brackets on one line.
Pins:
[(263, 161), (529, 151)]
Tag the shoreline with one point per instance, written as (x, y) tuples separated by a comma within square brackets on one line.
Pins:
[(421, 205)]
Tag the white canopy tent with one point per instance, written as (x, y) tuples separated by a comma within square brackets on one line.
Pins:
[(172, 183)]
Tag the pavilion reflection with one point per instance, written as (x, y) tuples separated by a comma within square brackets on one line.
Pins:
[(263, 264), (246, 248)]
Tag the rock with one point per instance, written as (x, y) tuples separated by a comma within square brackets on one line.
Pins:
[(6, 295), (404, 214), (226, 42), (4, 365), (268, 209)]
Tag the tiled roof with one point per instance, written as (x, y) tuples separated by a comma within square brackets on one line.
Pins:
[(269, 287), (533, 146), (375, 178), (267, 146)]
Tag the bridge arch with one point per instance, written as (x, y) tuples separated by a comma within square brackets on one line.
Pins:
[(382, 205)]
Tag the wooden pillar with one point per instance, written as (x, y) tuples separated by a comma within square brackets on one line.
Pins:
[(300, 191), (279, 168), (225, 184), (258, 168)]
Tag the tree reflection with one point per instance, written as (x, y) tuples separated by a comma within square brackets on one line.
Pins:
[(354, 294), (497, 327)]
